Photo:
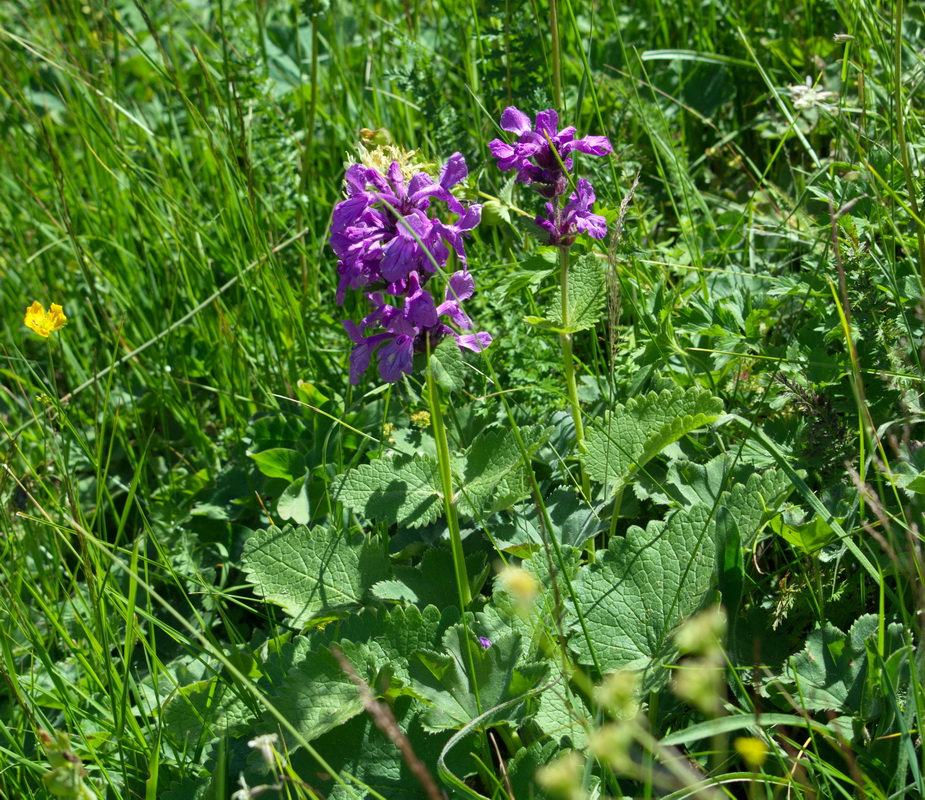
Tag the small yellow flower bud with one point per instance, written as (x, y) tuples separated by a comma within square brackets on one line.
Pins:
[(617, 693), (421, 419), (562, 777), (520, 583), (754, 752)]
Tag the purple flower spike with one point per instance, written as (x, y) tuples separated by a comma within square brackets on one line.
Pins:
[(388, 242), (383, 231), (576, 216), (413, 328), (541, 155)]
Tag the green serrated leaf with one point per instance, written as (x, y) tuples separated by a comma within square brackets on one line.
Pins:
[(317, 695), (752, 502), (638, 591), (200, 712), (443, 678), (433, 581), (493, 475), (448, 365), (586, 295), (629, 436), (833, 671), (404, 490), (358, 748), (563, 717), (524, 766), (312, 574)]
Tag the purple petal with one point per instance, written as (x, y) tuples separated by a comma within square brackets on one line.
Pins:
[(508, 156), (461, 286), (396, 358), (453, 171), (399, 256), (470, 219), (420, 187), (564, 136), (348, 211), (584, 197), (361, 353), (592, 145), (546, 122), (592, 224), (549, 226), (419, 306), (473, 341), (396, 178), (515, 121), (356, 179)]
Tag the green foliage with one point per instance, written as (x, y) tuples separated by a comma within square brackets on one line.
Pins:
[(199, 512), (622, 442), (407, 490), (834, 671), (458, 695), (639, 589), (586, 296), (310, 573)]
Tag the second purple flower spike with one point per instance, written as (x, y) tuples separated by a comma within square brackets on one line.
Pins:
[(541, 153)]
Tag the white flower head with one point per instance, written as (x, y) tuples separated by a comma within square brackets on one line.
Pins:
[(806, 96), (264, 743)]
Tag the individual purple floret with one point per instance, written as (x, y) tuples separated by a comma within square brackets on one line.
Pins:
[(563, 226), (485, 642), (382, 232), (411, 329), (541, 155)]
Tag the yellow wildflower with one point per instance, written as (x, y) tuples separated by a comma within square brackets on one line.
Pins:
[(42, 322)]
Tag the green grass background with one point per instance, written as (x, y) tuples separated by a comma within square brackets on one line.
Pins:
[(168, 172)]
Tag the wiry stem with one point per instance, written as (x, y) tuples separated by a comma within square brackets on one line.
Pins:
[(568, 364)]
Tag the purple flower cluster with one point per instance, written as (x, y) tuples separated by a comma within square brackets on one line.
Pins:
[(541, 157), (386, 242)]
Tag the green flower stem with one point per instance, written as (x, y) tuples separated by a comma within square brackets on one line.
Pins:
[(556, 65), (446, 480), (568, 364), (452, 518)]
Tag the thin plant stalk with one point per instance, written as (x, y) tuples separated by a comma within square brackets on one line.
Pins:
[(452, 516), (446, 480), (568, 364), (556, 65)]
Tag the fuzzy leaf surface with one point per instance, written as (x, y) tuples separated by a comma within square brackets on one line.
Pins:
[(631, 435), (317, 695), (443, 679), (494, 472), (447, 364), (586, 294), (637, 591), (404, 490), (312, 573), (360, 749), (831, 672), (433, 580)]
